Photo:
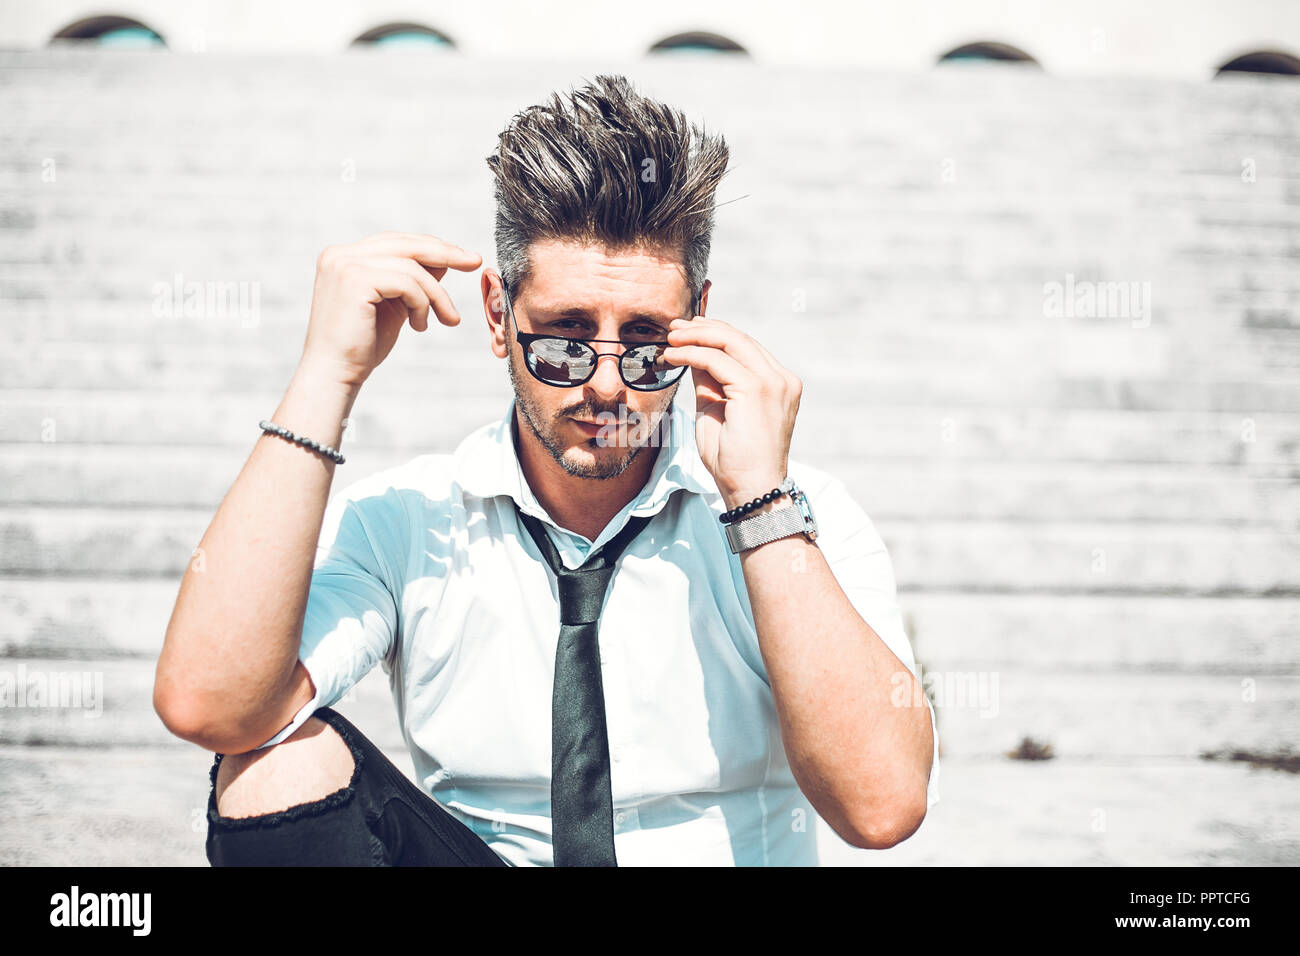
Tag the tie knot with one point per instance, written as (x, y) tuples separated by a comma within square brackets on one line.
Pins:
[(582, 593), (582, 590)]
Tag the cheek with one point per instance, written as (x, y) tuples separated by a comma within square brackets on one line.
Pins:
[(643, 418)]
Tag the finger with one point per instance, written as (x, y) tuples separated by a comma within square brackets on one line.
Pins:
[(716, 362), (720, 335), (394, 284), (768, 355), (443, 307), (426, 250), (777, 368), (438, 272), (707, 389)]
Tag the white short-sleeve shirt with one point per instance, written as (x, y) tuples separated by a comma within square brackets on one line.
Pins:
[(425, 570)]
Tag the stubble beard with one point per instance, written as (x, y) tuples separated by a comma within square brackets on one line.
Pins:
[(602, 466)]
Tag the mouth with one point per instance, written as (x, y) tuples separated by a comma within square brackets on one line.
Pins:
[(587, 428)]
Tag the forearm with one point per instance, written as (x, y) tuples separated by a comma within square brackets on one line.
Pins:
[(232, 642), (859, 752)]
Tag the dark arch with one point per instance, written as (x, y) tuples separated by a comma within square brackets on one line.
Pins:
[(391, 30), (698, 41), (989, 50), (93, 28), (1262, 61)]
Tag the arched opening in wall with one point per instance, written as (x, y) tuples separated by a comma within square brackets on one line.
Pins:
[(698, 42), (987, 51), (405, 36), (110, 32), (1262, 61)]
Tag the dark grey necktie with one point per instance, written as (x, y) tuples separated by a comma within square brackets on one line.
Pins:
[(582, 804)]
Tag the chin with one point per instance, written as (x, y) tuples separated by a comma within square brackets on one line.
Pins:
[(588, 460)]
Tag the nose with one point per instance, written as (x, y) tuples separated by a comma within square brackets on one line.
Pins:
[(606, 382)]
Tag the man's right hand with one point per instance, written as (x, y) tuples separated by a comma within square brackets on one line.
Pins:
[(366, 291)]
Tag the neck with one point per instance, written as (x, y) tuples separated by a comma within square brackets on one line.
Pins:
[(582, 505)]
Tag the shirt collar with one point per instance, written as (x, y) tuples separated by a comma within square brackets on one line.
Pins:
[(486, 463)]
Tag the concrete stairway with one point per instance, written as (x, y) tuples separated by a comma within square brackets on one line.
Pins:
[(1093, 516)]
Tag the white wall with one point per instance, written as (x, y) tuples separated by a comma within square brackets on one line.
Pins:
[(1177, 38)]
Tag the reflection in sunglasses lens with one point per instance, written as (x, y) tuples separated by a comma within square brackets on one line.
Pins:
[(566, 363)]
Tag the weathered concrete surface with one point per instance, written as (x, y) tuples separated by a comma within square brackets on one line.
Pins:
[(143, 807), (1094, 517)]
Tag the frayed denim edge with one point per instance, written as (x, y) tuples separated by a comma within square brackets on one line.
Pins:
[(314, 808)]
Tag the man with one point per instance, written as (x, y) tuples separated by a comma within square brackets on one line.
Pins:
[(730, 658)]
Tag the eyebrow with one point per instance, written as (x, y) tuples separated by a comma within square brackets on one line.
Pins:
[(554, 314)]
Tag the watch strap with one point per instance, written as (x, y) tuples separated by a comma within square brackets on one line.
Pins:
[(768, 526)]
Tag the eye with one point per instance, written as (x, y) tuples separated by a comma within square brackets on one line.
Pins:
[(648, 333)]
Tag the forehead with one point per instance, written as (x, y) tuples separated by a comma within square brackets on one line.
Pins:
[(568, 274)]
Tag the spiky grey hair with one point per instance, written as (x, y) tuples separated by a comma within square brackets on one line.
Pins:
[(606, 165)]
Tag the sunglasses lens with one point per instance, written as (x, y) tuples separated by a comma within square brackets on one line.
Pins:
[(565, 363), (645, 368), (561, 362)]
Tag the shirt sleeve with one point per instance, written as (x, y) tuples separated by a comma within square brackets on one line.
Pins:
[(862, 567), (351, 617)]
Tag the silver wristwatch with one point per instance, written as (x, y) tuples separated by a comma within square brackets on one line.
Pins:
[(751, 531)]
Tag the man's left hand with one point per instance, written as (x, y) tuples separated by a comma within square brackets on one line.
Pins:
[(745, 406)]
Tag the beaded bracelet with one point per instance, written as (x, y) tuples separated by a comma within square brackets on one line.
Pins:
[(729, 516), (284, 433)]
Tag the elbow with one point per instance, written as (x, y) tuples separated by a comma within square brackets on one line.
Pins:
[(181, 719), (881, 828), (185, 717), (176, 701), (180, 715), (173, 707)]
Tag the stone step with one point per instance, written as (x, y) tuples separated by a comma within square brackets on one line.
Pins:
[(119, 153), (63, 473), (109, 702), (1023, 492), (956, 631), (56, 267), (1071, 557), (64, 810), (79, 806), (69, 807), (134, 367), (987, 712), (1091, 558), (50, 329), (1067, 812), (384, 419), (69, 617), (854, 183), (1258, 374)]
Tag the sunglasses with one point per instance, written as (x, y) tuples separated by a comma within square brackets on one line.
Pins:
[(570, 362)]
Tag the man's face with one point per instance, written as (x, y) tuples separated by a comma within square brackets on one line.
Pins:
[(581, 291)]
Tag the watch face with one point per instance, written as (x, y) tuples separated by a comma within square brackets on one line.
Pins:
[(809, 522)]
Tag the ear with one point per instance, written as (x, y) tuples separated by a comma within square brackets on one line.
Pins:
[(704, 296), (494, 307)]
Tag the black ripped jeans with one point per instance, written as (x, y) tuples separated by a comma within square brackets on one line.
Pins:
[(379, 819)]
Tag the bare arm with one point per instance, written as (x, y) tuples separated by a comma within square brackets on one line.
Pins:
[(228, 677), (862, 760), (858, 747)]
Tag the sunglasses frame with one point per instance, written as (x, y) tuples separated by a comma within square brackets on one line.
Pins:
[(526, 339)]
